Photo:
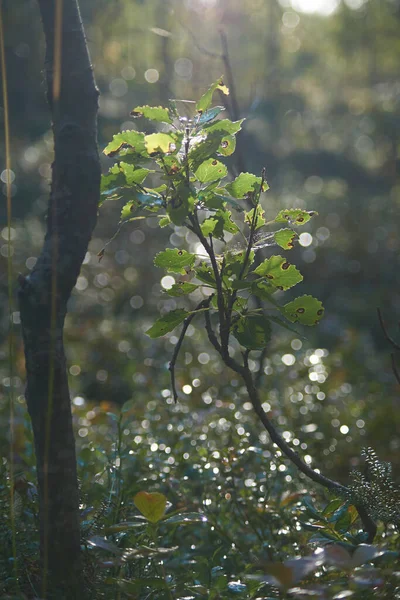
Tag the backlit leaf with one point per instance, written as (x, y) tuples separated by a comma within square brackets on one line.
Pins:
[(160, 142), (208, 226), (306, 310), (167, 323), (294, 216), (206, 99), (175, 260), (126, 140), (279, 272), (152, 505), (205, 273), (181, 288), (225, 126), (285, 238), (227, 145), (244, 184), (154, 113), (211, 170), (259, 219)]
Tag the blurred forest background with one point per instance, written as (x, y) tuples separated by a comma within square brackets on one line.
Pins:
[(318, 83)]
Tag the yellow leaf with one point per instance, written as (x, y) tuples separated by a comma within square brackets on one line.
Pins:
[(159, 142), (152, 505)]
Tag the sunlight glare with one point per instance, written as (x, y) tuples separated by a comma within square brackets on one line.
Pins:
[(320, 7)]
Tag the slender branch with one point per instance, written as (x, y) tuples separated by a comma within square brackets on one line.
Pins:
[(276, 438), (218, 281), (186, 323), (385, 331)]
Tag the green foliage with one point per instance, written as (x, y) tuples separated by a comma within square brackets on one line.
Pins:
[(376, 490), (190, 190)]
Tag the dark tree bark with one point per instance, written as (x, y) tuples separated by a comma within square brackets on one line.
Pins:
[(43, 295)]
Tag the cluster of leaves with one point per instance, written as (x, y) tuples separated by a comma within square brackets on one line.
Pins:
[(190, 191), (376, 490)]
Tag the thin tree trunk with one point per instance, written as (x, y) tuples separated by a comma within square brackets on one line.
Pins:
[(43, 295)]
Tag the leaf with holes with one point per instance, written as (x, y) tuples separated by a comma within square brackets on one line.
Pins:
[(152, 505), (175, 260), (279, 272), (154, 113), (285, 238), (227, 146), (211, 170), (294, 216), (167, 323), (305, 310)]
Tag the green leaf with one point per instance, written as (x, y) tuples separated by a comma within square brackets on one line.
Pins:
[(280, 273), (208, 226), (294, 216), (244, 184), (164, 221), (205, 273), (160, 142), (262, 289), (167, 323), (150, 201), (227, 145), (228, 224), (152, 505), (181, 288), (234, 262), (204, 149), (205, 101), (285, 238), (253, 331), (154, 113), (174, 260), (216, 200), (209, 115), (333, 506), (181, 204), (225, 126), (211, 170), (133, 175), (305, 310), (260, 221), (126, 142)]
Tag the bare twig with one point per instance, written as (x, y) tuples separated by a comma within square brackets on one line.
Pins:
[(186, 323), (385, 331)]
